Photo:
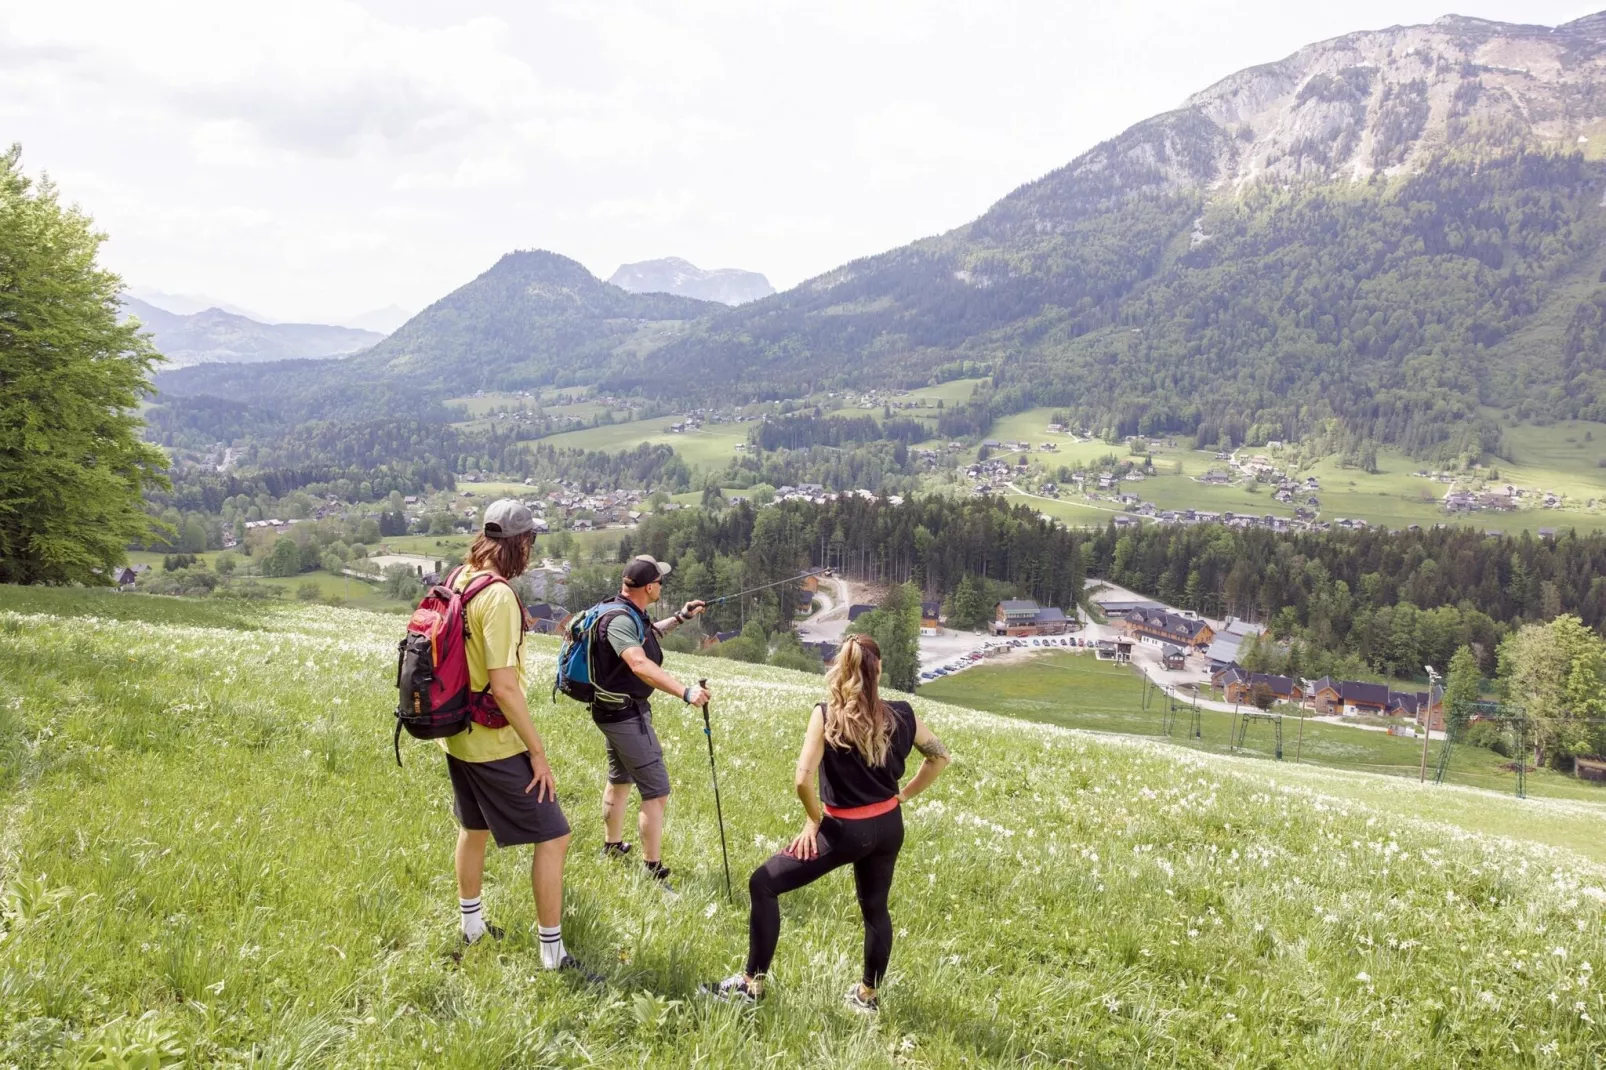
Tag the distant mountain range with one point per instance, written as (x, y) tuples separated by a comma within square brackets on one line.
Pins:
[(672, 275), (189, 304), (213, 335), (533, 318), (1383, 236)]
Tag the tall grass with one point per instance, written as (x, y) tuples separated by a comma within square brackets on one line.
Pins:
[(209, 854)]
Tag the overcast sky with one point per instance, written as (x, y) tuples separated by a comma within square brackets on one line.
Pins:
[(314, 160)]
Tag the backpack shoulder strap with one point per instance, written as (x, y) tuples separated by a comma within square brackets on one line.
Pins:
[(605, 618), (480, 583)]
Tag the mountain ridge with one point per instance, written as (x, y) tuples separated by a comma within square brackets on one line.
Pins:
[(532, 318), (671, 274), (1344, 234), (214, 335)]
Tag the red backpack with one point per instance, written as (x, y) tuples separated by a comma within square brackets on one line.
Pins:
[(432, 666)]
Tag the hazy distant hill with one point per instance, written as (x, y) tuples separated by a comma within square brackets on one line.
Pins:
[(189, 304), (532, 318), (672, 275), (217, 336)]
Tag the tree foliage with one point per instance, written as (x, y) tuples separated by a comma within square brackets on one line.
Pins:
[(1556, 672), (895, 627), (72, 467)]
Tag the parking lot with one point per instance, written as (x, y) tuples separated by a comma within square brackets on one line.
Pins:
[(952, 652)]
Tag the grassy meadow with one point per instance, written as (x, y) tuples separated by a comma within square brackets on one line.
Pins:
[(1564, 457), (349, 589), (711, 446), (209, 855), (1078, 691)]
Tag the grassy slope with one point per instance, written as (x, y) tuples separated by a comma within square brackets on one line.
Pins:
[(1076, 691), (1391, 497), (711, 446), (205, 825), (352, 591)]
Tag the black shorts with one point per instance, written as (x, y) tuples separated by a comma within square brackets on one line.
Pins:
[(635, 756), (490, 795)]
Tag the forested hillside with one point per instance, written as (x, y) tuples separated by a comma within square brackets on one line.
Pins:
[(1347, 233), (1397, 230)]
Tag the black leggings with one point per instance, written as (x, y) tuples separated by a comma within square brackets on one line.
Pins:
[(872, 845)]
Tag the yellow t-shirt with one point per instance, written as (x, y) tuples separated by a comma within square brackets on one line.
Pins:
[(495, 641)]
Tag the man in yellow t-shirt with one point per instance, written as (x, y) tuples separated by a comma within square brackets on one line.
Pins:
[(501, 782)]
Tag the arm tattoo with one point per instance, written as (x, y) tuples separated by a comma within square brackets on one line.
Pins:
[(932, 748)]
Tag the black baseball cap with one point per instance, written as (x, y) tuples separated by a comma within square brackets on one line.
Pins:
[(644, 571)]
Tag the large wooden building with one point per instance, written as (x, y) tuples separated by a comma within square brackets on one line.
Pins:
[(1162, 628)]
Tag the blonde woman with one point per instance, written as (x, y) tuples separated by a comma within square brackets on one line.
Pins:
[(857, 744)]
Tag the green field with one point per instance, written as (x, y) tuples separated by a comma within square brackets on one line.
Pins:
[(953, 392), (711, 446), (1078, 691), (210, 855), (348, 589), (1392, 497)]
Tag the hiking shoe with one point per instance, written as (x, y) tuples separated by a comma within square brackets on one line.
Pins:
[(492, 931), (572, 964), (616, 850), (658, 872), (733, 989), (855, 1001)]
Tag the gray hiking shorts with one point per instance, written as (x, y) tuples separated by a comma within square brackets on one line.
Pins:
[(490, 795), (635, 755)]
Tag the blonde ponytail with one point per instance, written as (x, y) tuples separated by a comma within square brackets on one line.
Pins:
[(856, 717)]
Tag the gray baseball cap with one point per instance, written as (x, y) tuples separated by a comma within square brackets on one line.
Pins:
[(507, 517)]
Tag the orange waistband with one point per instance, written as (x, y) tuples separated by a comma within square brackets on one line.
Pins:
[(858, 813)]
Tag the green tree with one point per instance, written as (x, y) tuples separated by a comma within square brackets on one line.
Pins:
[(969, 610), (1461, 690), (226, 564), (896, 629), (308, 591), (1557, 673), (72, 466), (285, 559), (401, 582)]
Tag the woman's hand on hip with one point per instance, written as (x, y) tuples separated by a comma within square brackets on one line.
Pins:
[(806, 845)]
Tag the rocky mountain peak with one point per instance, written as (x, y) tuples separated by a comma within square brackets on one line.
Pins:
[(673, 275), (1368, 103)]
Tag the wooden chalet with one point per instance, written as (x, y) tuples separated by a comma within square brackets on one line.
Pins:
[(1159, 627), (1239, 685)]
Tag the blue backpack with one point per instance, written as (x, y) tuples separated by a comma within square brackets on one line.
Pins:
[(576, 676)]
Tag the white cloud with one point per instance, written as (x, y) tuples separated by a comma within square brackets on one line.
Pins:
[(659, 209), (313, 158)]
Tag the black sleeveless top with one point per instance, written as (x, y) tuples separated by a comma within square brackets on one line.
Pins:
[(847, 780), (613, 672)]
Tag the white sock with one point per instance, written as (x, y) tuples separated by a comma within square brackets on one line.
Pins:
[(473, 919), (552, 950)]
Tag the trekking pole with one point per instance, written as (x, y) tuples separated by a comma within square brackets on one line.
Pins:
[(718, 810)]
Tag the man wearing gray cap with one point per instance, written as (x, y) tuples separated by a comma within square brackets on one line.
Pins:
[(501, 782), (630, 663)]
